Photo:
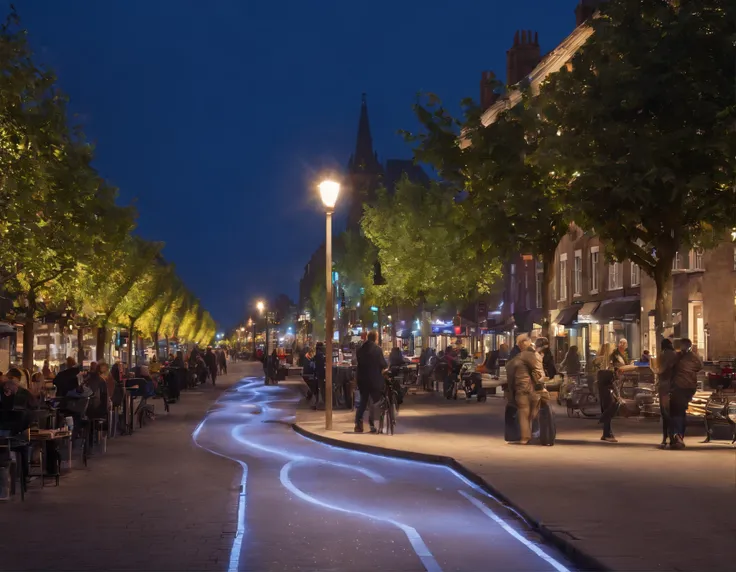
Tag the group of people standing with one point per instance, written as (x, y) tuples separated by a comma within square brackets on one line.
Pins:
[(677, 370)]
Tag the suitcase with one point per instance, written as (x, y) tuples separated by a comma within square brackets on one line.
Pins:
[(547, 427), (511, 431)]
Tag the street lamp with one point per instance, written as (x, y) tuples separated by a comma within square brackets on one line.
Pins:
[(261, 306), (328, 190)]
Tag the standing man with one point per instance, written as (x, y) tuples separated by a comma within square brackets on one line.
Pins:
[(369, 374), (528, 374), (684, 385), (210, 361)]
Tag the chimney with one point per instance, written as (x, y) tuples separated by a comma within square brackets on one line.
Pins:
[(488, 95), (585, 10), (523, 56)]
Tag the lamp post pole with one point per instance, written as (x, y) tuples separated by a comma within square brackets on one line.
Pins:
[(329, 190), (328, 322)]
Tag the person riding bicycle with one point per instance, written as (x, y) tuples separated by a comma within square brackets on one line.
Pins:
[(370, 380)]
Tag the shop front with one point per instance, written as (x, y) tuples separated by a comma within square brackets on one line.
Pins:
[(568, 333), (528, 322), (618, 318)]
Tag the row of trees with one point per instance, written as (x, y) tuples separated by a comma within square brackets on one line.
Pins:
[(635, 140), (64, 242)]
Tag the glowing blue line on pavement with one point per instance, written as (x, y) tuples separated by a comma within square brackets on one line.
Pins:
[(374, 476), (415, 539), (503, 524), (237, 545)]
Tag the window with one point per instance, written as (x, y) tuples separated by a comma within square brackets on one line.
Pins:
[(696, 259), (635, 274), (615, 278), (526, 290), (677, 262), (595, 269), (563, 276), (539, 286), (577, 275)]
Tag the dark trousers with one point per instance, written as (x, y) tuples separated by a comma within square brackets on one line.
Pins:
[(679, 400), (664, 410), (369, 398), (607, 403)]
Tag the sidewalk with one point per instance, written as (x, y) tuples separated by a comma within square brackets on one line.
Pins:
[(154, 501), (630, 506)]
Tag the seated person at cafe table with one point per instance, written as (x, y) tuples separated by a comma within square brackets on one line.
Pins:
[(15, 401)]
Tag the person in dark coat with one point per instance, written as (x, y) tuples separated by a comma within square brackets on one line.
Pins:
[(67, 380), (319, 370), (369, 376), (211, 360)]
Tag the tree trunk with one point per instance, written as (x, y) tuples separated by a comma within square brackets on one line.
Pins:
[(168, 350), (28, 331), (80, 345), (101, 341), (426, 326), (663, 302), (131, 341), (548, 261)]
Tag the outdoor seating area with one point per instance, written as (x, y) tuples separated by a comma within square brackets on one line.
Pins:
[(41, 442)]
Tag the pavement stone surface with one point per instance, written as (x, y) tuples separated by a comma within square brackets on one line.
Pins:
[(630, 505), (154, 501)]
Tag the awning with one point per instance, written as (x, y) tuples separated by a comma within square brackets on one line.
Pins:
[(525, 320), (6, 330), (586, 314), (619, 309), (499, 328), (568, 316)]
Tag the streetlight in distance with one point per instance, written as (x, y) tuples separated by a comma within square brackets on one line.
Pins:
[(329, 191), (261, 307)]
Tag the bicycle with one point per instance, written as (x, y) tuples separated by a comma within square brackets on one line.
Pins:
[(389, 409)]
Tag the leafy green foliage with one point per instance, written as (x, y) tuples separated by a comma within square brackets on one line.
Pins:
[(646, 131), (421, 238), (63, 239), (513, 205)]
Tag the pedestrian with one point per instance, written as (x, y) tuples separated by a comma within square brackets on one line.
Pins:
[(522, 341), (273, 367), (684, 385), (571, 362), (370, 380), (665, 370), (222, 361), (319, 369), (526, 374), (211, 361), (604, 378)]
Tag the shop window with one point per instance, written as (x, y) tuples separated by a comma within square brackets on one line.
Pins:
[(696, 259), (563, 276), (577, 276), (635, 274), (595, 270), (615, 276)]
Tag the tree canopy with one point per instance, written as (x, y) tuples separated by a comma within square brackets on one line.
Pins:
[(645, 124)]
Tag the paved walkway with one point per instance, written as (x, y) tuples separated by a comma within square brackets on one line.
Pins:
[(154, 501), (630, 506)]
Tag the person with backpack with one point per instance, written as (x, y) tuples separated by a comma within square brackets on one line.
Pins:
[(684, 384)]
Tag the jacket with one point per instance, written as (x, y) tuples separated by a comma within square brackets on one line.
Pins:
[(371, 363), (665, 371), (527, 371), (686, 371)]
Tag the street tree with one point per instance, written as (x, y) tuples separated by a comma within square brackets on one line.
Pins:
[(512, 205), (645, 122), (152, 283), (151, 321)]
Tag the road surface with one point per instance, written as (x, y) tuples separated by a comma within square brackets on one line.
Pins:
[(305, 505)]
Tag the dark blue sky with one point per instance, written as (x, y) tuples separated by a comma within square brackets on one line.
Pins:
[(217, 117)]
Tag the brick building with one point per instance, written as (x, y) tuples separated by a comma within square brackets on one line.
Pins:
[(593, 301)]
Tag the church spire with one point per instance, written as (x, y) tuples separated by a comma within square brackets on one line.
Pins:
[(364, 158)]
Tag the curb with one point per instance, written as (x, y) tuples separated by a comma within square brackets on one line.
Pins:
[(582, 560)]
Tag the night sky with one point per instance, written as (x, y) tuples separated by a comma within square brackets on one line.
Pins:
[(217, 117)]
